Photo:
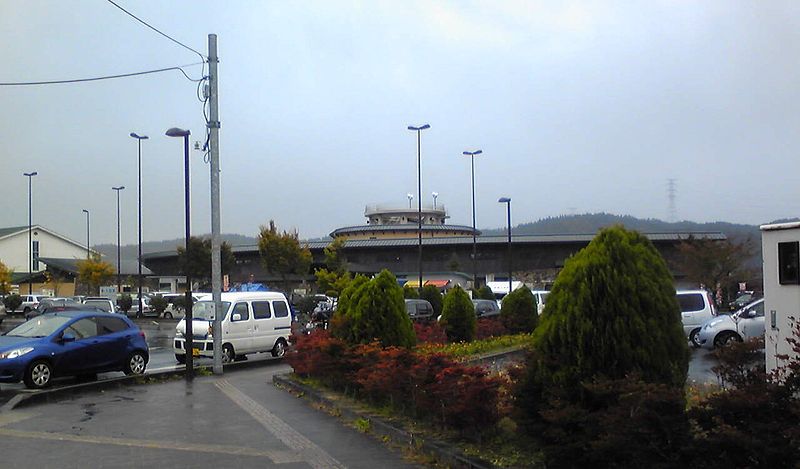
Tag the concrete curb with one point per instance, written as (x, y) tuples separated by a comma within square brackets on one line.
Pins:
[(27, 398), (444, 453)]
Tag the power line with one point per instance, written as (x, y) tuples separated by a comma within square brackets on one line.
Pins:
[(156, 30), (107, 77)]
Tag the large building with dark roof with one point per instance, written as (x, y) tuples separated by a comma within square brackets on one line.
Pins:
[(393, 245)]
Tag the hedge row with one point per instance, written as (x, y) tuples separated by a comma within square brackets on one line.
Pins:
[(431, 386)]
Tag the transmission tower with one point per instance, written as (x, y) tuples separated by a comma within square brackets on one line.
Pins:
[(671, 191)]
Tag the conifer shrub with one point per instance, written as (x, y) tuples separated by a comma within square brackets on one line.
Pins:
[(612, 314), (410, 292), (371, 310), (434, 297), (458, 316), (12, 302), (519, 312), (483, 293)]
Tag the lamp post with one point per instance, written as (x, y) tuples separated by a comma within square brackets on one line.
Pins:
[(30, 229), (119, 265), (435, 195), (507, 201), (139, 139), (88, 253), (471, 155), (410, 198), (419, 130), (176, 132)]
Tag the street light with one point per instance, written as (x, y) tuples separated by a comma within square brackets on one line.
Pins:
[(419, 130), (119, 265), (139, 138), (30, 228), (471, 155), (435, 195), (507, 201), (176, 132), (410, 197), (88, 254)]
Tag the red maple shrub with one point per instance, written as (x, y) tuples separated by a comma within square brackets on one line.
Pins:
[(448, 393), (430, 332), (490, 327)]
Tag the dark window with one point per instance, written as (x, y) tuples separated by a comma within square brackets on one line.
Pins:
[(242, 310), (281, 310), (110, 325), (35, 255), (691, 302), (789, 263), (261, 310), (83, 328)]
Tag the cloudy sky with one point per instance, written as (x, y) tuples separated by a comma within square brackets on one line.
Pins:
[(578, 107)]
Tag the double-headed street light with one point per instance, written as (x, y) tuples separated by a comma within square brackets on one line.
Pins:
[(419, 130), (176, 132), (119, 265), (139, 138), (507, 201), (471, 155), (30, 229), (88, 253)]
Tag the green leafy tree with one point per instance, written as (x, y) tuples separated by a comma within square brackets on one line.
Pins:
[(374, 310), (282, 254), (197, 263), (483, 293), (410, 292), (5, 279), (519, 312), (12, 302), (95, 272), (332, 283), (432, 294), (612, 312), (335, 260), (458, 316), (125, 302)]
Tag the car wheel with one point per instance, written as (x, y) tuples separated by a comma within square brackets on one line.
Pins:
[(181, 358), (694, 338), (26, 310), (167, 315), (38, 375), (725, 339), (228, 355), (279, 350), (136, 364)]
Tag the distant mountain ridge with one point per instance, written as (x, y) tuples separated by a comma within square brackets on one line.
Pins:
[(588, 223)]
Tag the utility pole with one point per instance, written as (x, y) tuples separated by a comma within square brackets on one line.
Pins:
[(216, 263)]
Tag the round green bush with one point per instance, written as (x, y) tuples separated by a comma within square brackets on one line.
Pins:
[(458, 316), (12, 302), (518, 312), (125, 302), (434, 297), (374, 309), (612, 312)]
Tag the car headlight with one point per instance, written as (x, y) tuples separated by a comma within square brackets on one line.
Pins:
[(16, 353)]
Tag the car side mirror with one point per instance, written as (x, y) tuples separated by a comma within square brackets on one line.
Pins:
[(236, 317), (67, 337)]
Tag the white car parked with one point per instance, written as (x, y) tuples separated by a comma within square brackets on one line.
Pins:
[(696, 308), (252, 322), (744, 324)]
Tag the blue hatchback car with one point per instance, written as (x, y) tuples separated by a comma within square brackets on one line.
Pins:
[(71, 343)]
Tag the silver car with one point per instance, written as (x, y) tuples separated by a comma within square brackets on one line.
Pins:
[(744, 324)]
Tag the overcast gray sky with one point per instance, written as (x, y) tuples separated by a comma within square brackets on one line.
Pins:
[(578, 107)]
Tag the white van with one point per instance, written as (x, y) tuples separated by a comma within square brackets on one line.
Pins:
[(540, 297), (252, 322), (696, 308)]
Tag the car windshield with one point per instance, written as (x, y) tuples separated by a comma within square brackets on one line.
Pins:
[(105, 305), (205, 310), (41, 326)]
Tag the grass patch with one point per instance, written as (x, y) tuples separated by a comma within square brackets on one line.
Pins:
[(464, 350)]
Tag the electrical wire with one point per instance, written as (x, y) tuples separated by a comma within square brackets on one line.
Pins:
[(203, 57), (107, 77)]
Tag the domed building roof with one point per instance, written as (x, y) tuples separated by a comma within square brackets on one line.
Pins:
[(391, 222)]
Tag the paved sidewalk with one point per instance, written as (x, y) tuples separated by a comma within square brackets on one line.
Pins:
[(238, 420)]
